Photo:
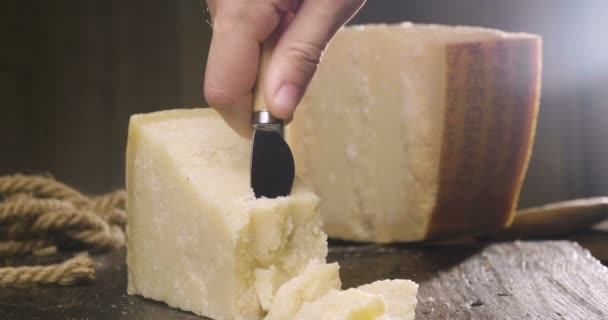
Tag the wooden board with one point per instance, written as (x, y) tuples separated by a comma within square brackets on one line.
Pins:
[(515, 280)]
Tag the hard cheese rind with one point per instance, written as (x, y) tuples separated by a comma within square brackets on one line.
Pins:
[(196, 234), (411, 132)]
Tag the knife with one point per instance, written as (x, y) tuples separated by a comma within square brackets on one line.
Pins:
[(554, 219), (545, 221), (272, 164)]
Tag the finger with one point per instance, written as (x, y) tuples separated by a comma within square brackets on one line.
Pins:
[(227, 84), (238, 29), (299, 51), (211, 8)]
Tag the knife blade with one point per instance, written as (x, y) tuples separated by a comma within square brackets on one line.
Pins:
[(555, 219), (272, 163), (552, 220)]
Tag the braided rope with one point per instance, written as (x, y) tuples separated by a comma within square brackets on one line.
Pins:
[(38, 213), (23, 207), (71, 271), (11, 248), (38, 186)]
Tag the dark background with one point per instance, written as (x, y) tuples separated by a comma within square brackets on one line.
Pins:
[(72, 71)]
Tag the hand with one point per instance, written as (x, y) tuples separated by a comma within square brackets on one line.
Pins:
[(304, 28)]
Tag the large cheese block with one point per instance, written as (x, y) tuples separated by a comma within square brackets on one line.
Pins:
[(411, 132), (199, 240), (197, 236)]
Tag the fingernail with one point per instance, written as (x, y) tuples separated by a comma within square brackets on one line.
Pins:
[(286, 99)]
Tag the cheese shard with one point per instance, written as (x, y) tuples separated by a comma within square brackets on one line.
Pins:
[(385, 300), (315, 281), (267, 282), (399, 297), (196, 234), (349, 304), (315, 294), (411, 132)]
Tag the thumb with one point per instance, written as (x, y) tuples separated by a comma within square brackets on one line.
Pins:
[(299, 50)]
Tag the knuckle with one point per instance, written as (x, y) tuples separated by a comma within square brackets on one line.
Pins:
[(304, 56), (262, 14), (217, 97)]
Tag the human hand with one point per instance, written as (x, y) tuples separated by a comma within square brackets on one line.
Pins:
[(303, 28)]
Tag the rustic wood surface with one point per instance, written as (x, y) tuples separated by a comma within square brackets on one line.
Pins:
[(510, 280)]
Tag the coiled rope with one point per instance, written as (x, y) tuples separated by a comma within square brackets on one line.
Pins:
[(38, 215)]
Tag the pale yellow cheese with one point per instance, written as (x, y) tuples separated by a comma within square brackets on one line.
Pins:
[(309, 297), (398, 295), (351, 304), (410, 132), (197, 237), (313, 282), (267, 282)]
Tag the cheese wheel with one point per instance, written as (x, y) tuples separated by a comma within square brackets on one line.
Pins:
[(411, 132)]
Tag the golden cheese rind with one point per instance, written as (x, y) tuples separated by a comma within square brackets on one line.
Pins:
[(491, 106)]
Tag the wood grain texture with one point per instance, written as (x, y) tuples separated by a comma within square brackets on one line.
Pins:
[(596, 242), (515, 280), (519, 281)]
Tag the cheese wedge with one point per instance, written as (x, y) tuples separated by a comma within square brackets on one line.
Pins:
[(197, 237), (411, 132)]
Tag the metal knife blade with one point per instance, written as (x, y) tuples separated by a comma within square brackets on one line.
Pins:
[(272, 163)]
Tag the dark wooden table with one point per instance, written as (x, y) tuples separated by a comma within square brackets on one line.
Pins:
[(510, 280)]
